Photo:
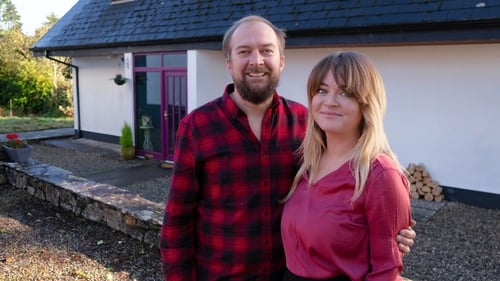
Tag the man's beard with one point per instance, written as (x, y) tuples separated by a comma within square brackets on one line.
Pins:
[(256, 94)]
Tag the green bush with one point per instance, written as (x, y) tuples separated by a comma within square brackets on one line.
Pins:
[(126, 139)]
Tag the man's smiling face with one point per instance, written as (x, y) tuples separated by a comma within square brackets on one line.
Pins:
[(255, 62)]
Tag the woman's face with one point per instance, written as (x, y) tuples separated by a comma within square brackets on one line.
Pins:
[(336, 112)]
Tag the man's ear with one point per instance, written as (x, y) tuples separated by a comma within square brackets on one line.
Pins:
[(282, 62), (228, 64)]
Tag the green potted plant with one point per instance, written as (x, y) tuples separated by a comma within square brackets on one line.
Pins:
[(127, 142)]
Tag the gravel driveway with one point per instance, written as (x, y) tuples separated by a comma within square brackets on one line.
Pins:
[(41, 242)]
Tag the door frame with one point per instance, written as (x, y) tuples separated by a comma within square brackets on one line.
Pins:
[(166, 64)]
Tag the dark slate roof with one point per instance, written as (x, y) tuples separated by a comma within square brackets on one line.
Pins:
[(98, 24)]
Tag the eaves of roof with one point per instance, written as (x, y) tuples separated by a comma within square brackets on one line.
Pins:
[(411, 34)]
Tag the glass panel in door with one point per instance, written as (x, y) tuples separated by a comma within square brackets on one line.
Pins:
[(148, 106)]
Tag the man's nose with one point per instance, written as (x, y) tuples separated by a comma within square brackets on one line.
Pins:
[(256, 58)]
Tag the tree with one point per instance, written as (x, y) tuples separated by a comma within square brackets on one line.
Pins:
[(50, 21), (30, 85), (10, 19)]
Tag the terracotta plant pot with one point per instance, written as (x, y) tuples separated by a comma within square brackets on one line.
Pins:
[(128, 153)]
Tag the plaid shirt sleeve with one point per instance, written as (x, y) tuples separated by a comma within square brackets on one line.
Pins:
[(178, 230)]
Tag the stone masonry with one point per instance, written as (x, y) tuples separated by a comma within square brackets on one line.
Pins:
[(107, 204)]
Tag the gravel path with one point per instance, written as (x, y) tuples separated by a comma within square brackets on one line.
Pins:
[(460, 242), (83, 164), (40, 242)]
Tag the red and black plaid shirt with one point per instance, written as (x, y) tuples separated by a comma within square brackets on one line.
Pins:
[(222, 219)]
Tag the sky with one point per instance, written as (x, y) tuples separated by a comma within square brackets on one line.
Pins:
[(34, 13)]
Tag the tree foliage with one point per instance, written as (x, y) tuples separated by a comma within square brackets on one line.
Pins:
[(10, 17), (29, 85)]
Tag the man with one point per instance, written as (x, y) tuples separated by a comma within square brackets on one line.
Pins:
[(234, 161)]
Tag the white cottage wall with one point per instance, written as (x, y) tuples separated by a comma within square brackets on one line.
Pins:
[(104, 105), (206, 76), (442, 107)]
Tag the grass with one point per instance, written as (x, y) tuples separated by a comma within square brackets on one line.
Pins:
[(26, 124)]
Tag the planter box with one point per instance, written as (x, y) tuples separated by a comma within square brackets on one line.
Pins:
[(20, 155)]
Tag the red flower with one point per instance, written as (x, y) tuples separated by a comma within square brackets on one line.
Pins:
[(12, 136), (13, 141)]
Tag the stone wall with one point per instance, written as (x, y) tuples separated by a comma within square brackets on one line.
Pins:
[(117, 208)]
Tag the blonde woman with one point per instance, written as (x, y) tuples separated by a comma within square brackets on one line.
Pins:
[(350, 197)]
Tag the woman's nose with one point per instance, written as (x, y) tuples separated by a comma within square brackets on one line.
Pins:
[(331, 99)]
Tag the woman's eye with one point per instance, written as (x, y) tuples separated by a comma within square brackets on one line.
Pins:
[(321, 91), (344, 94)]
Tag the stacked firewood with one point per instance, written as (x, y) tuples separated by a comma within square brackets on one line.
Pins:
[(422, 185)]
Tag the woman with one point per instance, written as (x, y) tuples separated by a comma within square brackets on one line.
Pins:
[(350, 197)]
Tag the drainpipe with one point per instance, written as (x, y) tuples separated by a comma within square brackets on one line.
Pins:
[(79, 127)]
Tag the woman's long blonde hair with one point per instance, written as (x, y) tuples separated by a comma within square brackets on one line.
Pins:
[(355, 73)]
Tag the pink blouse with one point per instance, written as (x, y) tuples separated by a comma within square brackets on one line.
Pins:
[(324, 235)]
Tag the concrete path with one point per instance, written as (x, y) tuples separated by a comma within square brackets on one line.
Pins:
[(42, 135)]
